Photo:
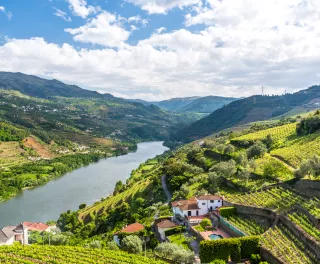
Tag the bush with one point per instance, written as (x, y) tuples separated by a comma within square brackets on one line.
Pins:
[(218, 261), (227, 211), (236, 248), (132, 244), (174, 231), (255, 259), (205, 222), (175, 252), (256, 151), (112, 246)]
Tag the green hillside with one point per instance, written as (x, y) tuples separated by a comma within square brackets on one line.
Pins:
[(67, 254), (251, 109)]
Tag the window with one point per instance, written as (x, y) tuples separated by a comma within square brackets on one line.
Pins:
[(189, 213), (218, 201), (203, 203), (211, 201)]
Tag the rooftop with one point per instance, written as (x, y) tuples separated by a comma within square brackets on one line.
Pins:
[(166, 224), (133, 228)]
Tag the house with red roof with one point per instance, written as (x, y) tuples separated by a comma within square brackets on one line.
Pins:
[(37, 226), (131, 229), (197, 206), (163, 226), (11, 234)]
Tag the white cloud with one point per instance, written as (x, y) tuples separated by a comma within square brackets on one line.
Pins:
[(162, 6), (63, 15), (160, 30), (138, 19), (105, 30), (80, 8), (244, 46), (7, 13)]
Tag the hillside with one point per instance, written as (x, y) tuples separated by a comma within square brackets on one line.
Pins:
[(203, 105), (67, 254), (254, 108), (250, 168)]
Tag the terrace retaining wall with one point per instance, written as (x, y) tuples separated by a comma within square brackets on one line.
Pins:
[(269, 257), (309, 188), (308, 240)]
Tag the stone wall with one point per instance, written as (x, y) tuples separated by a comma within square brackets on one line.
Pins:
[(308, 240), (309, 188), (269, 257)]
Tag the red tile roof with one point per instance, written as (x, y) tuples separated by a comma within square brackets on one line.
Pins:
[(36, 226), (133, 228), (190, 204), (166, 224)]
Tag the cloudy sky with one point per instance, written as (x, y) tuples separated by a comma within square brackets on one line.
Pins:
[(157, 49)]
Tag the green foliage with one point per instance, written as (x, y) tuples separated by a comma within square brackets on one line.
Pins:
[(205, 223), (236, 248), (11, 133), (225, 169), (255, 259), (132, 244), (309, 125), (309, 167), (175, 253), (218, 261), (228, 211), (256, 151), (276, 169), (173, 231)]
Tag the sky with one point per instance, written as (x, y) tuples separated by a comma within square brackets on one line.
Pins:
[(159, 49)]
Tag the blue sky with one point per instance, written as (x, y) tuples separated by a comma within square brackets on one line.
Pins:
[(157, 49)]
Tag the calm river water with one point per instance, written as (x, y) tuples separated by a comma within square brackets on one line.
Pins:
[(85, 185)]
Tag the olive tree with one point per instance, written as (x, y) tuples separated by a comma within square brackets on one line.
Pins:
[(175, 252), (132, 244)]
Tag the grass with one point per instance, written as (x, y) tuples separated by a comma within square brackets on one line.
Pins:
[(199, 228), (179, 239)]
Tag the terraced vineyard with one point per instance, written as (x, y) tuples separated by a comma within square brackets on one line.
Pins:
[(303, 221), (246, 225), (114, 200), (285, 246), (299, 149), (278, 133), (278, 199), (67, 254)]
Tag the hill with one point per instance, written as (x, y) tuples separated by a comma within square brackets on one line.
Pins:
[(68, 254), (264, 167), (203, 105), (254, 108)]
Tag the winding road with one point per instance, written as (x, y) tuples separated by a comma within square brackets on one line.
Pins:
[(165, 188)]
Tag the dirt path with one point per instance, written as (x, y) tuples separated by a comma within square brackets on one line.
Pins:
[(165, 188), (43, 152), (284, 162)]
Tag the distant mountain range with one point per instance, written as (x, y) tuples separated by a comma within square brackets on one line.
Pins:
[(195, 104), (251, 109)]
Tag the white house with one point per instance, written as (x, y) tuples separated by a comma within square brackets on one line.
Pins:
[(11, 234), (197, 206), (133, 228), (163, 226)]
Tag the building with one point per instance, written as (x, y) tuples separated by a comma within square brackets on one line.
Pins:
[(163, 226), (38, 226), (133, 228), (197, 206), (11, 234)]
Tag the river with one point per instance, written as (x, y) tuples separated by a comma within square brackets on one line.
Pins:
[(85, 185)]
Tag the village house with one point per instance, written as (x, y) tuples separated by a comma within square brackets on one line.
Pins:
[(197, 206), (38, 226), (133, 228), (163, 226), (11, 234)]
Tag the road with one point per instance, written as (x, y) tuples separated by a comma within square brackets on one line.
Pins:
[(165, 188)]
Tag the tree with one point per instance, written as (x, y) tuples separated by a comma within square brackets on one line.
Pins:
[(82, 206), (242, 159), (95, 244), (229, 149), (175, 252), (225, 168), (59, 239), (244, 174), (214, 179), (112, 245), (118, 187), (132, 244), (268, 141), (205, 222), (256, 151), (35, 238)]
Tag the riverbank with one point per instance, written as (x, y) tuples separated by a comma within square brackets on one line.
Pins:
[(83, 185)]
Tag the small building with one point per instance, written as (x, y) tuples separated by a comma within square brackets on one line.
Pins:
[(197, 206), (163, 226), (133, 228), (11, 234)]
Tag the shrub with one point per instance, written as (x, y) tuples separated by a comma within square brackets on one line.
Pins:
[(256, 151), (132, 244), (205, 222), (174, 230), (218, 261), (175, 252), (227, 211), (255, 259), (236, 248), (111, 245)]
